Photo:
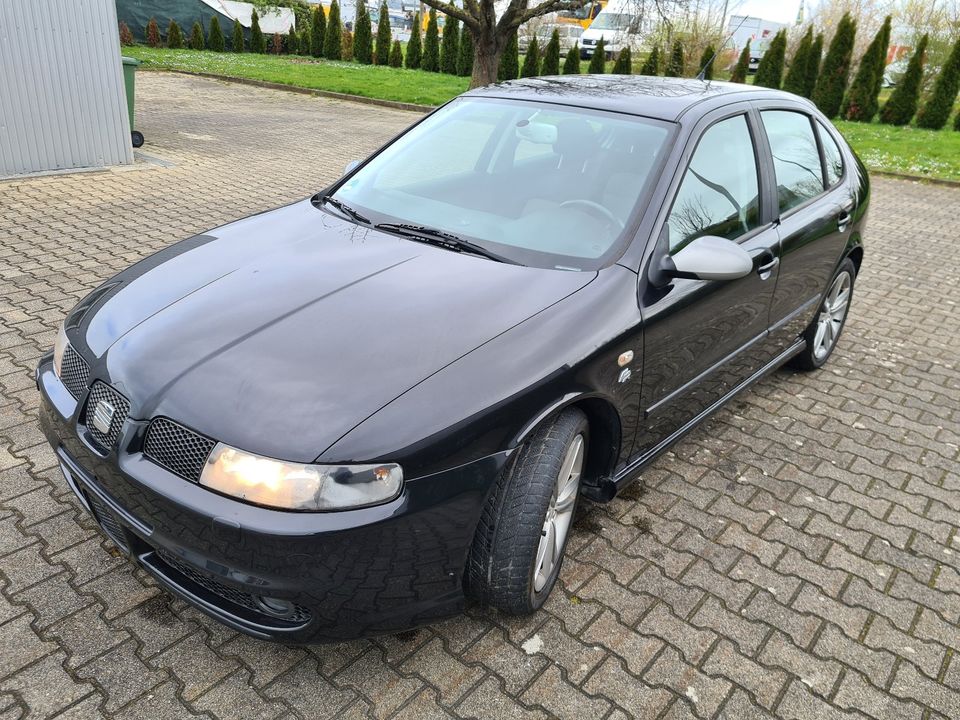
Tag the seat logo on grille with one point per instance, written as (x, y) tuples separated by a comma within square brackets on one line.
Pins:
[(103, 416)]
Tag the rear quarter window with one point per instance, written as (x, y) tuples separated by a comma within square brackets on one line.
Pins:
[(832, 156), (796, 157)]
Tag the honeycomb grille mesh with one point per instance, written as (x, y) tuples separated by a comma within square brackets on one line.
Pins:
[(298, 615), (74, 372), (111, 526), (176, 448), (121, 407)]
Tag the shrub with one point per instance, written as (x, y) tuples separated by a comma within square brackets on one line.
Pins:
[(276, 44), (651, 66), (902, 105), (551, 55), (362, 35), (742, 67), (318, 32), (431, 45), (305, 40), (333, 38), (510, 60), (813, 66), (956, 121), (936, 110), (706, 62), (293, 42), (624, 64), (832, 80), (174, 36), (215, 39), (796, 77), (153, 33), (396, 55), (531, 60), (449, 46), (196, 37), (770, 71), (239, 41), (414, 45), (126, 37), (465, 53), (258, 43), (384, 37), (861, 103), (598, 63), (571, 64), (346, 44), (676, 62)]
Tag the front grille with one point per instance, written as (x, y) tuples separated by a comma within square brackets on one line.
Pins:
[(101, 392), (108, 521), (74, 372), (298, 616), (177, 448)]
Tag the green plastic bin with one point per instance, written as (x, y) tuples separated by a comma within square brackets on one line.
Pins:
[(130, 82)]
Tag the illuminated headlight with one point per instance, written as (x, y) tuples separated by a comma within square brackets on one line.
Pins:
[(59, 347), (293, 486)]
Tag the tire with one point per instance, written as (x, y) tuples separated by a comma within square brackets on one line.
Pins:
[(505, 567), (136, 138), (815, 353)]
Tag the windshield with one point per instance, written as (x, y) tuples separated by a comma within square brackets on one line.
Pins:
[(539, 184), (613, 21)]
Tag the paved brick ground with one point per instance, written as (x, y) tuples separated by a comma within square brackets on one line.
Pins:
[(797, 557)]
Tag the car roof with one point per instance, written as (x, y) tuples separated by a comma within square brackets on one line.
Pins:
[(656, 97)]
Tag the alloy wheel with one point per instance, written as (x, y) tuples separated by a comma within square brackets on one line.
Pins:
[(832, 314), (556, 524)]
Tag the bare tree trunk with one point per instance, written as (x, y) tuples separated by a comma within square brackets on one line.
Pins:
[(486, 59)]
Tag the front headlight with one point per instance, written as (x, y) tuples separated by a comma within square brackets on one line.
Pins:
[(59, 347), (293, 486)]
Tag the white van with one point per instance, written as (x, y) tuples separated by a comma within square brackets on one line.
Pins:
[(619, 24)]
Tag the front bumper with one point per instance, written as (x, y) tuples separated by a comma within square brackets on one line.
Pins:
[(340, 575)]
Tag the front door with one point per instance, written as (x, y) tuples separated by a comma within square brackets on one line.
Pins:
[(702, 338)]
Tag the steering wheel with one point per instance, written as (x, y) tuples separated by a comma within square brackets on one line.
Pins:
[(595, 209)]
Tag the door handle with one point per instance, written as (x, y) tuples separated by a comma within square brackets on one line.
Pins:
[(844, 218), (766, 270)]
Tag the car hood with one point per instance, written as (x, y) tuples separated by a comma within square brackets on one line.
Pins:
[(280, 333)]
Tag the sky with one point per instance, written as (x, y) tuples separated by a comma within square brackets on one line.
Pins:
[(784, 11)]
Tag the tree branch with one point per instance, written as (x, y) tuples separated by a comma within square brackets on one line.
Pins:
[(543, 8), (470, 20)]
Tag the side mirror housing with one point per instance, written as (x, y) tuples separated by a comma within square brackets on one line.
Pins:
[(707, 258), (351, 166)]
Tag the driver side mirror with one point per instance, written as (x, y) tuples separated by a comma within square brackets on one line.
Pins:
[(351, 166), (707, 258)]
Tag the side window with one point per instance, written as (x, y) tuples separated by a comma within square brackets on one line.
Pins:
[(719, 194), (796, 159), (832, 155)]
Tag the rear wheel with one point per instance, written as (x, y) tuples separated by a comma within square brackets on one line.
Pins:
[(822, 334), (518, 549)]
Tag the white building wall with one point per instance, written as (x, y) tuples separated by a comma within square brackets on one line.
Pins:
[(62, 98)]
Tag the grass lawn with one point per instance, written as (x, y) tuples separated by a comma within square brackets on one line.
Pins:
[(906, 150)]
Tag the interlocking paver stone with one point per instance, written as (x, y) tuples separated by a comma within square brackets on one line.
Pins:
[(797, 556)]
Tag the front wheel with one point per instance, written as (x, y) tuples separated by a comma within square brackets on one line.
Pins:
[(518, 548), (822, 334)]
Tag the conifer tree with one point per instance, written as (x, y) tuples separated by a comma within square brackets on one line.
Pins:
[(318, 31), (196, 37), (239, 41), (551, 55), (770, 69), (396, 54), (293, 41), (153, 33), (813, 66), (215, 39), (431, 45), (832, 79), (531, 60), (465, 53), (902, 105), (571, 64), (276, 44), (956, 121), (796, 78), (676, 62), (861, 102), (706, 62), (598, 63), (743, 65), (346, 44), (362, 35), (414, 45), (384, 36), (449, 46), (174, 36), (509, 67), (936, 110), (333, 38), (258, 43), (305, 40), (651, 66), (126, 36), (624, 63)]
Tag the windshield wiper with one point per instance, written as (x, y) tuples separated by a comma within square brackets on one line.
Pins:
[(442, 238), (344, 208)]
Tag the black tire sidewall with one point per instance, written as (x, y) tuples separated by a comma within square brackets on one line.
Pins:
[(808, 360)]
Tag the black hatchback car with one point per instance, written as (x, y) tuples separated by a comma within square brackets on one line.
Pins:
[(348, 415)]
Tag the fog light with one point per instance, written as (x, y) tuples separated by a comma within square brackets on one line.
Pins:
[(275, 606)]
